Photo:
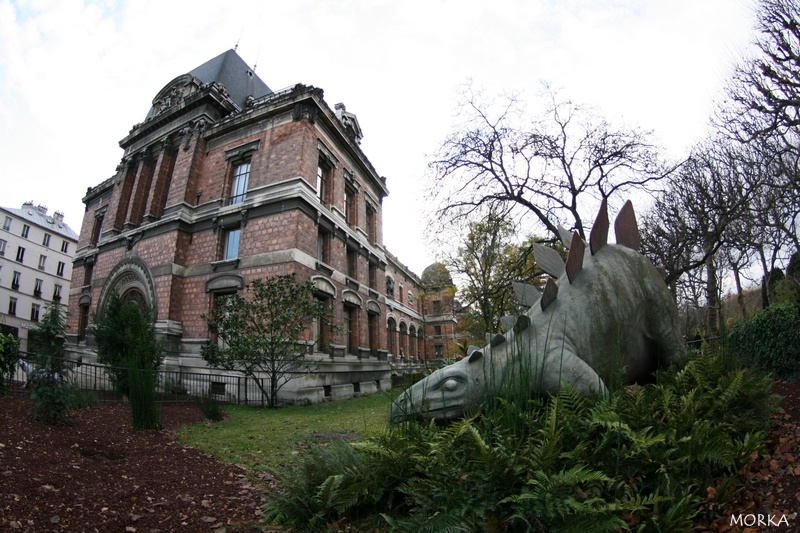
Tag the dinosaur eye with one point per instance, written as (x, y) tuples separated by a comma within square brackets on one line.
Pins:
[(450, 384)]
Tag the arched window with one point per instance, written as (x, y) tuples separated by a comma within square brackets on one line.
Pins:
[(391, 336), (403, 340)]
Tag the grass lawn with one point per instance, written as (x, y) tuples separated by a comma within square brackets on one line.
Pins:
[(258, 437)]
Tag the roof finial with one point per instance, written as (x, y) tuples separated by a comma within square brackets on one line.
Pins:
[(236, 46)]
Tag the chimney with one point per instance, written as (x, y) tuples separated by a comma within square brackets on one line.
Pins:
[(58, 215), (42, 209)]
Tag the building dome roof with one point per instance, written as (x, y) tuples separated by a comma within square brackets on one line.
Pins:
[(436, 276)]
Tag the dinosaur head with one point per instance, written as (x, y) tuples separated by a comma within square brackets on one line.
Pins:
[(445, 394)]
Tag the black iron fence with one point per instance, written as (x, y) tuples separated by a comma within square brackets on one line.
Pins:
[(171, 385)]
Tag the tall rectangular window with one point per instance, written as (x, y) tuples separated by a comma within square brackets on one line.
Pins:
[(322, 182), (7, 224), (351, 328), (20, 254), (217, 303), (350, 206), (35, 312), (96, 229), (324, 246), (46, 240), (88, 268), (15, 280), (372, 324), (25, 230), (2, 247), (241, 176), (372, 224), (231, 245), (12, 306), (60, 268), (65, 246), (437, 307), (352, 263), (37, 288), (83, 322), (42, 261), (56, 292)]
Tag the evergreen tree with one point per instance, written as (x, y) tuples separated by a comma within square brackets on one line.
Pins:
[(9, 352), (51, 391), (126, 341)]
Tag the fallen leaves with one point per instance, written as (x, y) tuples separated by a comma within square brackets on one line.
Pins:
[(770, 484)]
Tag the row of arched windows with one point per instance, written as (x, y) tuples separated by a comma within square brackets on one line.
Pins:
[(403, 341)]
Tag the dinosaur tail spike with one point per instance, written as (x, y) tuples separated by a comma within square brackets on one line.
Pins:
[(550, 293), (575, 257), (507, 322), (626, 228), (548, 260), (526, 295), (599, 235), (522, 323), (565, 236)]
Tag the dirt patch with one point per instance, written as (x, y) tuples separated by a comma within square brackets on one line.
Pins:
[(98, 474)]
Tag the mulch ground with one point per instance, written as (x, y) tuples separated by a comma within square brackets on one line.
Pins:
[(98, 474)]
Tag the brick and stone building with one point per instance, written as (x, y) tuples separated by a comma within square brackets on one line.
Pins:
[(36, 251), (226, 181)]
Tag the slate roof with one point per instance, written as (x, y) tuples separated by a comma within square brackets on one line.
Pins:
[(234, 74), (47, 222)]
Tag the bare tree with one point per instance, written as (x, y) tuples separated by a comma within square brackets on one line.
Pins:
[(765, 90), (703, 209), (556, 166)]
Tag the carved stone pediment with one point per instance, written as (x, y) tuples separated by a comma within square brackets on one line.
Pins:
[(173, 94)]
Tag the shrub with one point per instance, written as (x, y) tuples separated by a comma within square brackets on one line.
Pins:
[(9, 352), (51, 392), (787, 291), (210, 407), (770, 340), (144, 409), (81, 398), (126, 340)]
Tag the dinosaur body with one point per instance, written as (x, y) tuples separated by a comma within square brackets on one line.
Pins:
[(608, 313)]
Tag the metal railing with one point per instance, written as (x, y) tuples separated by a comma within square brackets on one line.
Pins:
[(171, 385)]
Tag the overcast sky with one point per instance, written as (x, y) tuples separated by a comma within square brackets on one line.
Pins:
[(76, 75)]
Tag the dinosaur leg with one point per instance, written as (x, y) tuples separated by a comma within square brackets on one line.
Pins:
[(564, 366), (664, 327)]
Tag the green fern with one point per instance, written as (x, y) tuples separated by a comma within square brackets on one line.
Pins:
[(640, 458)]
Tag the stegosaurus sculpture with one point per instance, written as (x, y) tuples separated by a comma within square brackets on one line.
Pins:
[(606, 313)]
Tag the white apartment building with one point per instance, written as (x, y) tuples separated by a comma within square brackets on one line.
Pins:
[(36, 251)]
